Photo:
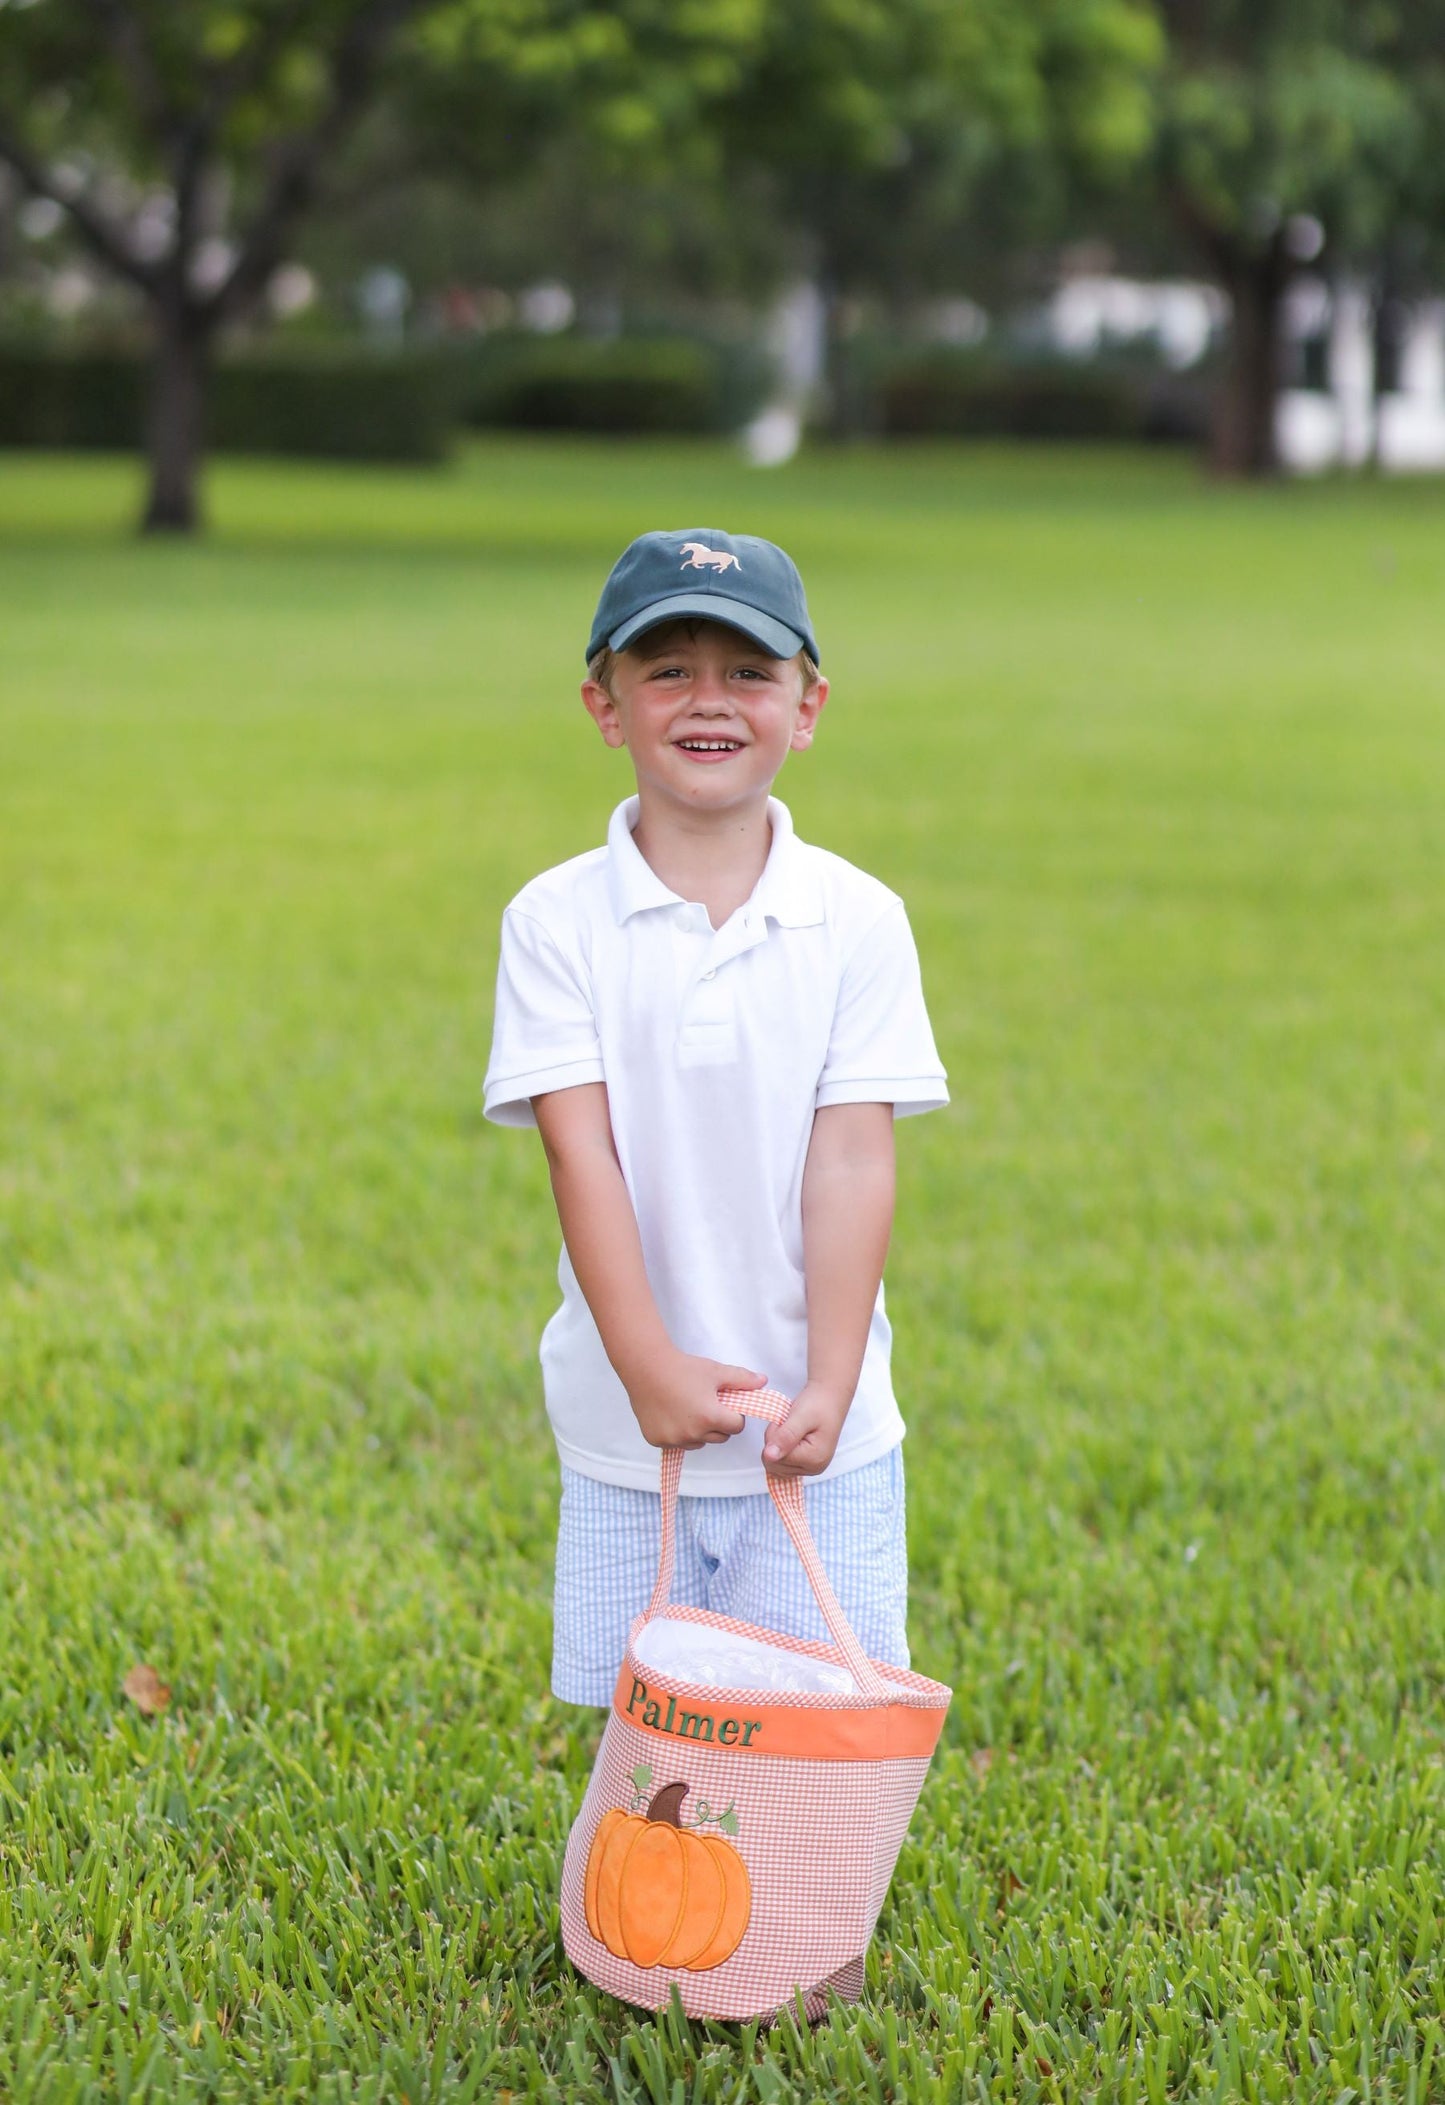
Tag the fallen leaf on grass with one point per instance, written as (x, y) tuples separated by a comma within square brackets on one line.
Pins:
[(146, 1689), (1008, 1885), (981, 1761)]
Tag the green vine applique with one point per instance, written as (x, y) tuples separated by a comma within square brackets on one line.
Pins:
[(702, 1813), (704, 1816)]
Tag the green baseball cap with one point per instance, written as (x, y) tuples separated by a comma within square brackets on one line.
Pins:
[(701, 572)]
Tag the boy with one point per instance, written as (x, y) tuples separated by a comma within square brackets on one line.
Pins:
[(713, 1026)]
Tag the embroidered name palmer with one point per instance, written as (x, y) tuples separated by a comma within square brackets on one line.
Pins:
[(689, 1724)]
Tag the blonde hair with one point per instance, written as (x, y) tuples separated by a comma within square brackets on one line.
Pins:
[(603, 663)]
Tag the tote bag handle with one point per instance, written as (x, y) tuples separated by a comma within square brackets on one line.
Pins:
[(787, 1496)]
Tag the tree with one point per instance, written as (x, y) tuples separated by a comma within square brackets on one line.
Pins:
[(624, 187), (881, 121), (1273, 114), (172, 107), (1389, 233), (158, 105)]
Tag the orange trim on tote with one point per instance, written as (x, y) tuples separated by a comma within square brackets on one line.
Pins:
[(883, 1732)]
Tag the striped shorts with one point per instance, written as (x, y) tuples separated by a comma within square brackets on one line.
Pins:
[(733, 1556)]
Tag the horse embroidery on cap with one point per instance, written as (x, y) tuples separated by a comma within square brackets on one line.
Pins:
[(700, 558)]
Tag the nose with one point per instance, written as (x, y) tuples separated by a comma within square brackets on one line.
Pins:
[(710, 696)]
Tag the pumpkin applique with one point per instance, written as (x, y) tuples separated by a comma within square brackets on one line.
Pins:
[(661, 1894)]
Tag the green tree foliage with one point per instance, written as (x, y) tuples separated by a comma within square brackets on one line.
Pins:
[(1270, 112), (622, 192), (138, 117), (1396, 243), (854, 131), (883, 121), (635, 79), (254, 100)]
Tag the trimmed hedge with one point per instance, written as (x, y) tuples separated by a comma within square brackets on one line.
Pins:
[(958, 395), (345, 405), (339, 404), (573, 385), (353, 404), (662, 385), (94, 398)]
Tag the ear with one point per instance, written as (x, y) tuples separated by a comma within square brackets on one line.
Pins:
[(603, 711), (810, 708)]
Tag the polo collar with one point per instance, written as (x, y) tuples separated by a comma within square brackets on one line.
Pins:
[(788, 892)]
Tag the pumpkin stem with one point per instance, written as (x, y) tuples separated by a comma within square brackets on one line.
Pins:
[(667, 1804)]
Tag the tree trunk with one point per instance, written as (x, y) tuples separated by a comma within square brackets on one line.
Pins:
[(1388, 342), (844, 407), (175, 422), (1242, 440)]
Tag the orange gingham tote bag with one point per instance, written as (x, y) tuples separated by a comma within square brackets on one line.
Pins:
[(737, 1844)]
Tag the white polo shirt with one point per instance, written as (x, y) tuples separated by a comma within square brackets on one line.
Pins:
[(717, 1046)]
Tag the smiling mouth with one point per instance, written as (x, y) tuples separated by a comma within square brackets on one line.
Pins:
[(710, 745)]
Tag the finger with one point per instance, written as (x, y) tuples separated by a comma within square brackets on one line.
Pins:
[(784, 1437), (794, 1466), (740, 1378), (803, 1461)]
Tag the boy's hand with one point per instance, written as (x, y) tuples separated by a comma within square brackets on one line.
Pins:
[(803, 1443), (674, 1399)]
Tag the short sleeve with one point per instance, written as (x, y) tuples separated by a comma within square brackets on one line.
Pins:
[(881, 1047), (544, 1035)]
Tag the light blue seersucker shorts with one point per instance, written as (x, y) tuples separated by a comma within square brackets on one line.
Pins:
[(733, 1556)]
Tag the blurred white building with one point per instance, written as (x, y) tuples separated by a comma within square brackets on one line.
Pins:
[(1091, 311), (1339, 420), (1330, 415)]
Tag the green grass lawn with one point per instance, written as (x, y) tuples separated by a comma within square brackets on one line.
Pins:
[(1160, 770)]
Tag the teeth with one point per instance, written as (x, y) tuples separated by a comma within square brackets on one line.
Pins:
[(708, 745)]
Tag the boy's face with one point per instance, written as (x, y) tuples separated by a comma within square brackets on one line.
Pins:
[(706, 715)]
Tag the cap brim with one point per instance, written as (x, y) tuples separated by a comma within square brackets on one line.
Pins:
[(774, 637)]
